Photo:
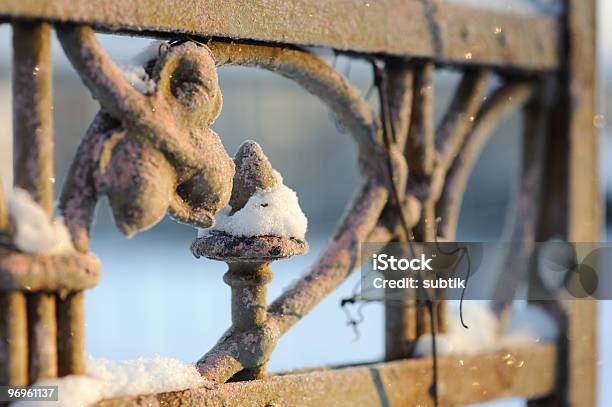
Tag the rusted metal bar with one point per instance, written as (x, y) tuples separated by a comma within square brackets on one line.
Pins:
[(33, 169), (400, 309), (499, 104), (42, 336), (574, 195), (100, 74), (527, 201), (400, 83), (314, 75), (32, 112), (421, 156), (48, 273), (523, 372), (13, 327), (420, 144), (13, 339), (71, 333), (460, 116), (400, 314), (147, 165), (446, 33)]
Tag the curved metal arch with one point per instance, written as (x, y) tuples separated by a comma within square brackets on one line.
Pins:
[(103, 78), (314, 75)]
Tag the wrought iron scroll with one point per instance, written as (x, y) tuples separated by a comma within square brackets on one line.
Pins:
[(150, 154)]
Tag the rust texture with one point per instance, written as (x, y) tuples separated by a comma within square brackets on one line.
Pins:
[(528, 199), (497, 105), (238, 350), (224, 247), (460, 138), (585, 211), (150, 154), (572, 195), (70, 335), (33, 169), (249, 259), (32, 118), (253, 172), (155, 153), (449, 33), (439, 162), (522, 372), (52, 273), (13, 340), (318, 78), (42, 336), (400, 316)]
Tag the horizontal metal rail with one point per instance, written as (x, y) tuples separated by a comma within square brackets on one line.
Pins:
[(527, 372), (445, 33)]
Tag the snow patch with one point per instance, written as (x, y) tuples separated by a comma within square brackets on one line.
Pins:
[(531, 324), (528, 325), (147, 54), (107, 379), (133, 68), (270, 212), (35, 233), (138, 78)]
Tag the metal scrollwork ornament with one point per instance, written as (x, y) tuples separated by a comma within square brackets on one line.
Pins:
[(153, 153)]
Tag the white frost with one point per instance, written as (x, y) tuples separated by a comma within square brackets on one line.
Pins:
[(138, 78), (271, 212), (147, 54), (531, 324), (35, 233), (107, 379), (528, 325), (133, 69)]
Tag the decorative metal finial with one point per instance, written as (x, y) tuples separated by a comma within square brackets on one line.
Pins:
[(249, 257)]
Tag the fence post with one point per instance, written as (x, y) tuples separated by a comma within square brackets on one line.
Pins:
[(574, 190), (33, 169), (584, 194)]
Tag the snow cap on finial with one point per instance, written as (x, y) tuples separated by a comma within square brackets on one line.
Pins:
[(263, 220)]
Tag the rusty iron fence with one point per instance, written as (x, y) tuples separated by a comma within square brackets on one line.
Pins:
[(413, 172)]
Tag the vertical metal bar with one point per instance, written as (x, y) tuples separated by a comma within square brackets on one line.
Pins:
[(527, 205), (71, 334), (33, 169), (249, 303), (585, 213), (13, 327), (574, 195), (400, 326), (42, 336), (32, 112), (13, 340), (400, 315)]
